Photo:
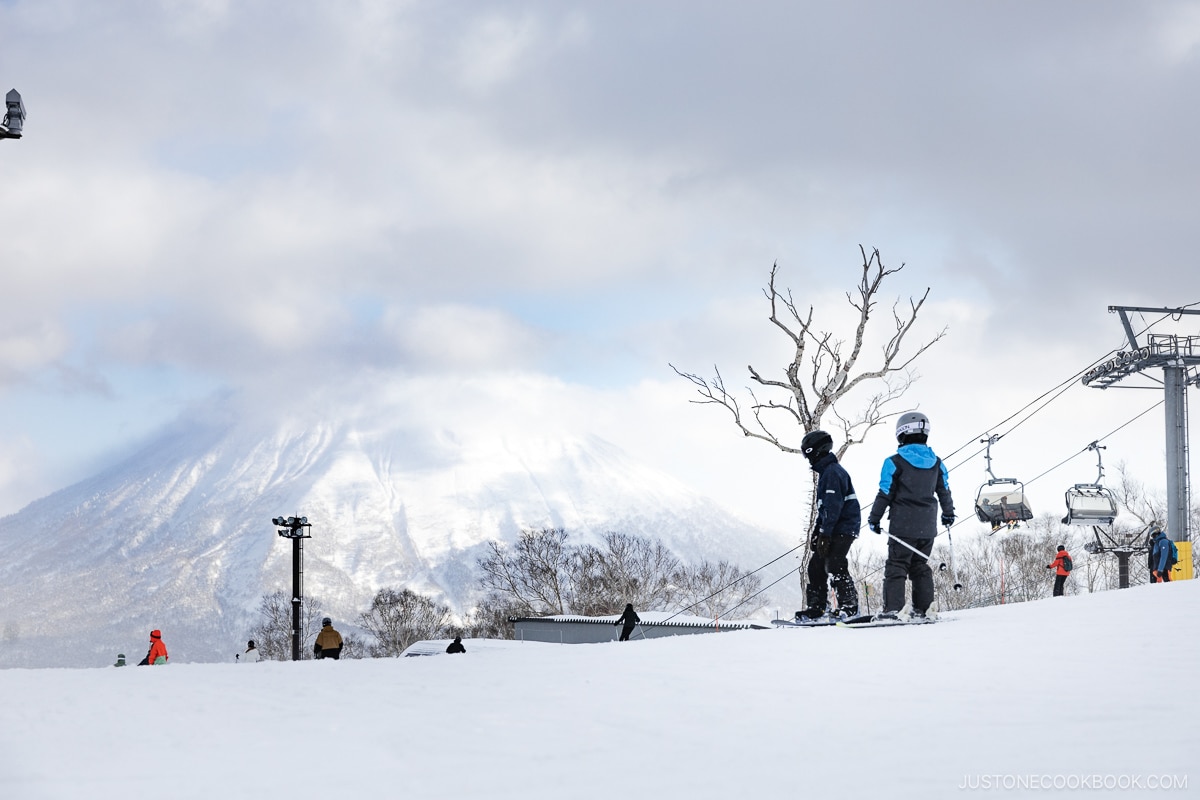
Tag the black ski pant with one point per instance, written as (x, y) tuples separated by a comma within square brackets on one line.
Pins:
[(832, 568), (904, 565), (625, 631), (1059, 582)]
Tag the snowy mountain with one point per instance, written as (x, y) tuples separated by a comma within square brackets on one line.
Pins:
[(178, 536)]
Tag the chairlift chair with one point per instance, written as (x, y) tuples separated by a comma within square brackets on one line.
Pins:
[(1091, 503), (1001, 501)]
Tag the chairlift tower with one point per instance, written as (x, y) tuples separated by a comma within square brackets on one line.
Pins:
[(1179, 358)]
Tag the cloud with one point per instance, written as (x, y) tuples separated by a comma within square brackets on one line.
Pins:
[(233, 192)]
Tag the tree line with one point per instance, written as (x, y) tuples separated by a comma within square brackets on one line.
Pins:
[(542, 573)]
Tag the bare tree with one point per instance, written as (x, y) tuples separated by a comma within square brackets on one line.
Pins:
[(397, 619), (273, 634), (627, 569), (537, 575), (354, 646), (711, 590), (544, 574), (822, 371), (490, 620), (1131, 495)]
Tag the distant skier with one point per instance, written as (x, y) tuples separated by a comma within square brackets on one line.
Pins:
[(1163, 555), (456, 646), (329, 641), (1062, 566), (157, 654), (912, 484), (839, 516), (251, 654), (629, 618)]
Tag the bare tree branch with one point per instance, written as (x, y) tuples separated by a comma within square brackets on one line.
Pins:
[(820, 374)]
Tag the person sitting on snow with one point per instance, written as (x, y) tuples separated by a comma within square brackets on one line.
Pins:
[(157, 654)]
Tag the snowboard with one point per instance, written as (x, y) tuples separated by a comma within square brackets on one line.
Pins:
[(869, 621), (822, 622)]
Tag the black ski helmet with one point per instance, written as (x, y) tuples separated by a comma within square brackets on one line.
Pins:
[(816, 444), (912, 422), (327, 621)]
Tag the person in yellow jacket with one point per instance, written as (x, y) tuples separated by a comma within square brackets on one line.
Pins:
[(329, 641)]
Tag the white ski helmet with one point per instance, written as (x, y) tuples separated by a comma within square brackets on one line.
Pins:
[(912, 422)]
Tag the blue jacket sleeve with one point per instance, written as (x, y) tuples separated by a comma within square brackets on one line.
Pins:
[(943, 492), (884, 498)]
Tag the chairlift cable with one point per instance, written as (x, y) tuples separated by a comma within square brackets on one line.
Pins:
[(728, 611), (734, 583), (1061, 386), (1125, 424)]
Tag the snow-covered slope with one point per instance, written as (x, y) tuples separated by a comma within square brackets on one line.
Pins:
[(1066, 696), (179, 536)]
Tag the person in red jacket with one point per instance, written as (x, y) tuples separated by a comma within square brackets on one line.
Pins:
[(158, 651), (1062, 568)]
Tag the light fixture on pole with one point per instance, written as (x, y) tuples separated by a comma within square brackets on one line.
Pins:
[(14, 116), (294, 528)]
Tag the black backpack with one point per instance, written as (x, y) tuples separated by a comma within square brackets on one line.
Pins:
[(1067, 564), (1172, 555)]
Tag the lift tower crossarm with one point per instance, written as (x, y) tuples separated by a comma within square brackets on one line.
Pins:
[(1122, 310)]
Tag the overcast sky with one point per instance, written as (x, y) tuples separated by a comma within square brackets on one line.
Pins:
[(569, 196)]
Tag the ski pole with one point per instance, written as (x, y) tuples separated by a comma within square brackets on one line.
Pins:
[(953, 572), (899, 541), (941, 565)]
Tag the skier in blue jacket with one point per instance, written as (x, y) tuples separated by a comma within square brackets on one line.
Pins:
[(912, 485), (839, 517), (1160, 558)]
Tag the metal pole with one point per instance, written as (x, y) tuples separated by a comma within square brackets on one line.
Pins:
[(293, 528), (1122, 569), (297, 593), (1175, 404)]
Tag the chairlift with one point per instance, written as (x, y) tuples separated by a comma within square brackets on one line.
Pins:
[(1001, 501), (1091, 503)]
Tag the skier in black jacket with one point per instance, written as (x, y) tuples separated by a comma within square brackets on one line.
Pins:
[(912, 484), (629, 618), (839, 516)]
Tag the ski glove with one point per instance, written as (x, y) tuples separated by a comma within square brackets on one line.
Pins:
[(947, 520), (873, 527)]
